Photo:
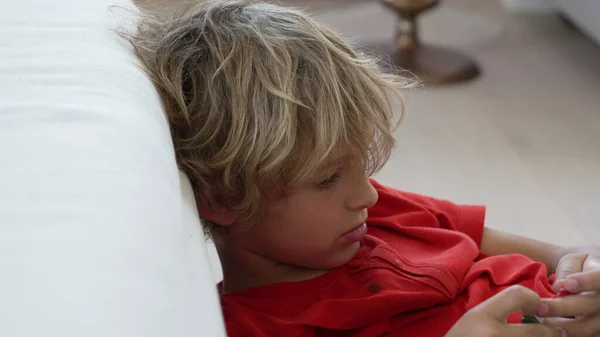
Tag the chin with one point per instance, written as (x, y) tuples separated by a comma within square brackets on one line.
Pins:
[(339, 258), (351, 251)]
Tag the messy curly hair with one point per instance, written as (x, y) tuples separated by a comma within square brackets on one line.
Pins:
[(259, 97)]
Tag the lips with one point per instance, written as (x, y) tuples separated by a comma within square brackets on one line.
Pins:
[(356, 234)]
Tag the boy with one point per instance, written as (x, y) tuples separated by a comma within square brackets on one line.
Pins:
[(279, 124)]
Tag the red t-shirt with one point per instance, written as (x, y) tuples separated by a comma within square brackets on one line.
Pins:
[(417, 272)]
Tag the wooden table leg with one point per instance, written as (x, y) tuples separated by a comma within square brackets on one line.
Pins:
[(433, 64)]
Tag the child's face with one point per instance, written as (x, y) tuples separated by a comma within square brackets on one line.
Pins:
[(316, 226)]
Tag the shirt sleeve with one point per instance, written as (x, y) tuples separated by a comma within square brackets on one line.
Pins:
[(398, 208)]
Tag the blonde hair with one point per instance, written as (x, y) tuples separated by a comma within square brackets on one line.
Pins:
[(260, 97)]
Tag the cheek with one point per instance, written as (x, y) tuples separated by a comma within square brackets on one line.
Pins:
[(305, 227), (296, 232), (309, 240), (317, 221)]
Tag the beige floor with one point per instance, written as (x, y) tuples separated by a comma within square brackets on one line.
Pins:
[(522, 139)]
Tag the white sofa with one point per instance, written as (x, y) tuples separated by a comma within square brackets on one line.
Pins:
[(99, 235)]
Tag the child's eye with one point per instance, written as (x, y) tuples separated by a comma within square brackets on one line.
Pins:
[(329, 181)]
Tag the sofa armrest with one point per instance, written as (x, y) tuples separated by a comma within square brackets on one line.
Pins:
[(93, 240)]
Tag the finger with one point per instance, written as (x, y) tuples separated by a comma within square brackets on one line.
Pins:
[(570, 264), (582, 304), (558, 285), (557, 321), (584, 281), (592, 262), (510, 300), (534, 330), (583, 326)]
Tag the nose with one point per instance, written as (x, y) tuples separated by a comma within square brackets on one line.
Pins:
[(363, 196)]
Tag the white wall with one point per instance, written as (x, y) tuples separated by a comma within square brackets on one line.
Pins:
[(585, 14)]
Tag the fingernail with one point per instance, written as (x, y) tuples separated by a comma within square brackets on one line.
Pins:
[(543, 309), (563, 292), (571, 285)]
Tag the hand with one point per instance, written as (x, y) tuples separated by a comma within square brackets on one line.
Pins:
[(489, 318), (579, 313), (573, 260)]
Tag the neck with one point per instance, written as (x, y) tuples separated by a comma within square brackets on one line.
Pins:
[(243, 269)]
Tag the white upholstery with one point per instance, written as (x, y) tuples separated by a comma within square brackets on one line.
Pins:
[(95, 237)]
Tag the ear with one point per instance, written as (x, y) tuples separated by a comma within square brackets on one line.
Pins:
[(218, 215)]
